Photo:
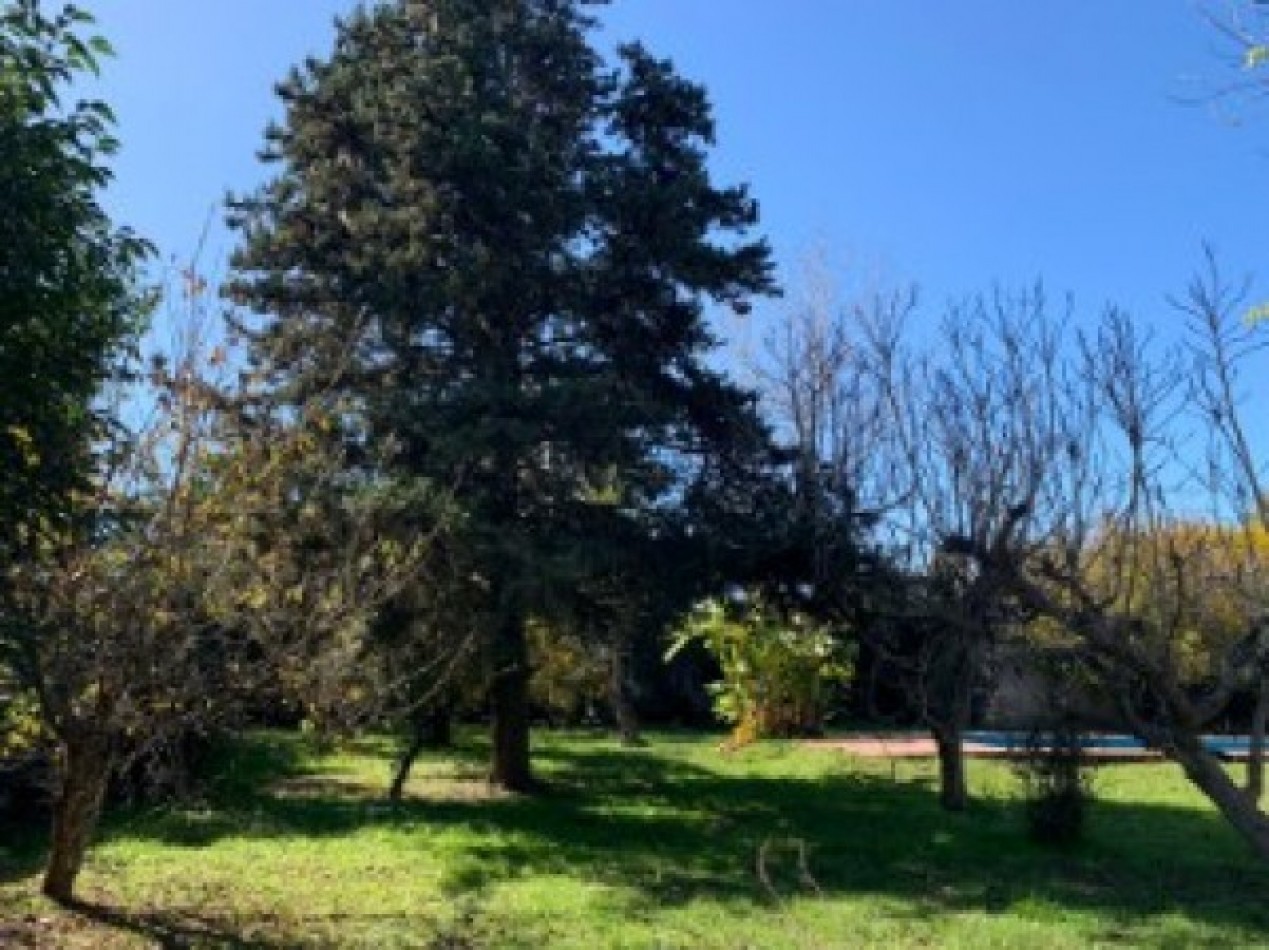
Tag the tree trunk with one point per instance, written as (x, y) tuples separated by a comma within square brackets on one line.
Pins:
[(1206, 771), (82, 779), (954, 676), (431, 728), (953, 790), (509, 701), (401, 775), (619, 693), (1256, 745)]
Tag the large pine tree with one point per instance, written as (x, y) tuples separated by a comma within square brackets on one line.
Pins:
[(499, 247)]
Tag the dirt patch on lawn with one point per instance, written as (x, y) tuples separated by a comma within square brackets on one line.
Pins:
[(423, 788)]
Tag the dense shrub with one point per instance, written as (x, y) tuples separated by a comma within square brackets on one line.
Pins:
[(1057, 787), (778, 667)]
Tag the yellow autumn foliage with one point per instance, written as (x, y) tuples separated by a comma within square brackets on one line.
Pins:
[(1194, 586)]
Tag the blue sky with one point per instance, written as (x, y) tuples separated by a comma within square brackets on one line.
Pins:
[(951, 144)]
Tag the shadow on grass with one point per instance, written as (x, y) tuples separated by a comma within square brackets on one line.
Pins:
[(177, 929), (21, 849), (671, 831)]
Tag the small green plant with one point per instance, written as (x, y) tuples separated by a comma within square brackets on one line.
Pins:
[(778, 667), (1056, 787)]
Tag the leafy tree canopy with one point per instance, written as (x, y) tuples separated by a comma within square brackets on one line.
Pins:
[(503, 246), (68, 299)]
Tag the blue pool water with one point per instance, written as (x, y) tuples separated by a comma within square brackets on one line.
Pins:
[(1018, 740), (1227, 743)]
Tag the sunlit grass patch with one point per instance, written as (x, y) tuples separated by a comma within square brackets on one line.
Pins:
[(673, 845)]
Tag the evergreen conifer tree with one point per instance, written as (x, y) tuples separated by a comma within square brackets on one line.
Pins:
[(500, 248)]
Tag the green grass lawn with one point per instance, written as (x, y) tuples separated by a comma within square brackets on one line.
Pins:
[(674, 845)]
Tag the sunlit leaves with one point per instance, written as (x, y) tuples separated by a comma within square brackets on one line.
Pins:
[(1191, 585), (69, 304), (777, 666)]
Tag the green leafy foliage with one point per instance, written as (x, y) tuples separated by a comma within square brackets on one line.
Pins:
[(69, 307), (501, 248), (570, 675), (21, 728), (223, 559), (778, 668)]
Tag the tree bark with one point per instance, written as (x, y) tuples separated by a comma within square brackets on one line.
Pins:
[(430, 728), (510, 767), (82, 779), (401, 774), (619, 694), (950, 694), (1206, 772), (1256, 745), (953, 789)]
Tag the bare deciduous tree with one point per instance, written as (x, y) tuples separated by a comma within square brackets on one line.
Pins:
[(1048, 488), (975, 425), (214, 558), (1061, 475)]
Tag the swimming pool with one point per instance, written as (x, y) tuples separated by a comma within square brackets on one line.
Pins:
[(1233, 747)]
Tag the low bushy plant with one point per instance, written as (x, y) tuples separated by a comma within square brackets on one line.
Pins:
[(1057, 787), (778, 667)]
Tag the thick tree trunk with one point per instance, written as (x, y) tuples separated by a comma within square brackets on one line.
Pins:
[(1206, 771), (953, 789), (949, 716), (83, 775), (509, 701), (619, 694), (1256, 746)]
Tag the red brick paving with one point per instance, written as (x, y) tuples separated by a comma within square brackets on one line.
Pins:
[(916, 745)]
